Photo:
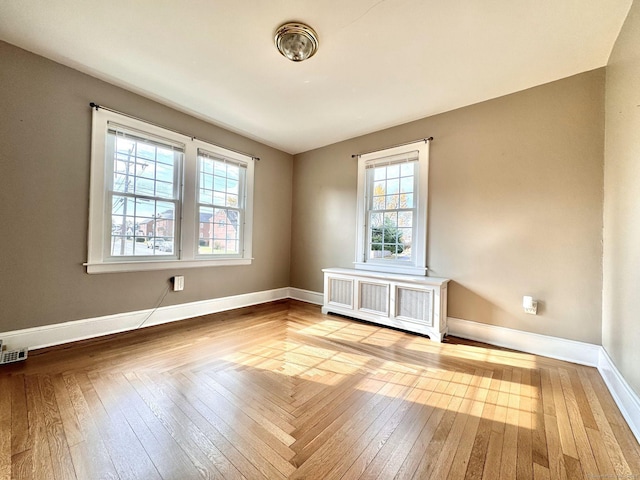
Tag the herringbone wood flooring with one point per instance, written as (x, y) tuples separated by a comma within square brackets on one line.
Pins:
[(280, 391)]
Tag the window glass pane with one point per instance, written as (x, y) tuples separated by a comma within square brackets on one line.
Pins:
[(376, 250), (206, 181), (164, 189), (125, 146), (379, 188), (233, 172), (165, 172), (405, 219), (232, 186), (146, 169), (391, 219), (145, 186), (119, 182), (146, 151), (204, 196), (392, 202), (232, 200), (166, 155), (393, 186), (218, 198), (219, 168), (406, 200), (378, 203), (379, 173), (406, 169), (404, 236), (376, 219), (406, 185), (205, 243), (393, 171)]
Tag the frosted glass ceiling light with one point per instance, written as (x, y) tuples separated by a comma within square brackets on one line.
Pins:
[(296, 41)]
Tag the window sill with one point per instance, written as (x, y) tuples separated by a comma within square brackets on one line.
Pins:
[(144, 266), (401, 269)]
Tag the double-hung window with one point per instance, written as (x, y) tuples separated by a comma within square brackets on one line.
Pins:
[(392, 209), (160, 199), (143, 194)]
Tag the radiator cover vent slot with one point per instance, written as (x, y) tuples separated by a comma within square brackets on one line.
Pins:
[(414, 304), (341, 292), (374, 297)]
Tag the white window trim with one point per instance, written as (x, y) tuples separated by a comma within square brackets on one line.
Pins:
[(419, 266), (187, 255)]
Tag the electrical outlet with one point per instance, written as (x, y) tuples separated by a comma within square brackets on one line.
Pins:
[(178, 283), (533, 309)]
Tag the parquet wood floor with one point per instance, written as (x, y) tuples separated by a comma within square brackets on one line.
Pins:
[(280, 391)]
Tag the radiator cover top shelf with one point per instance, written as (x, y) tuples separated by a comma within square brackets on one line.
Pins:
[(409, 302)]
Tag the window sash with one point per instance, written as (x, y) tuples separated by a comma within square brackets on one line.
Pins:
[(152, 231), (226, 202), (387, 213)]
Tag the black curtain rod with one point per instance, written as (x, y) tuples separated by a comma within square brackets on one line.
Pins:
[(96, 106), (427, 139)]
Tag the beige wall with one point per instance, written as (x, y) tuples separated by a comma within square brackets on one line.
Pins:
[(45, 128), (516, 191), (621, 266)]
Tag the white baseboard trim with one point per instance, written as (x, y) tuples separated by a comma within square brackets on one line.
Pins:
[(625, 397), (547, 346), (306, 296), (49, 335)]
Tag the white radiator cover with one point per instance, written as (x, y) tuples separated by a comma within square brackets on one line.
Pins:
[(409, 302)]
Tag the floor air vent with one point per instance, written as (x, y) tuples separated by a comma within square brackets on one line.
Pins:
[(11, 356)]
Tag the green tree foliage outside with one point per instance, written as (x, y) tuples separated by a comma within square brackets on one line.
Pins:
[(387, 237)]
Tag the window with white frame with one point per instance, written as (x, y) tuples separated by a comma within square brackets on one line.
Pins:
[(392, 209), (160, 199), (221, 204)]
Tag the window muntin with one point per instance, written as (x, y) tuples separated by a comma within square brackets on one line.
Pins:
[(221, 204), (144, 194), (145, 204), (392, 209)]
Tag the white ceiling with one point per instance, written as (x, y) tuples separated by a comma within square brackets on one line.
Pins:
[(381, 62)]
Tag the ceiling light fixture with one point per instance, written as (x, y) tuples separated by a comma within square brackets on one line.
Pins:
[(296, 41)]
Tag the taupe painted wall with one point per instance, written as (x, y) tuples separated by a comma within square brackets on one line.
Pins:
[(621, 266), (45, 128), (515, 192)]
